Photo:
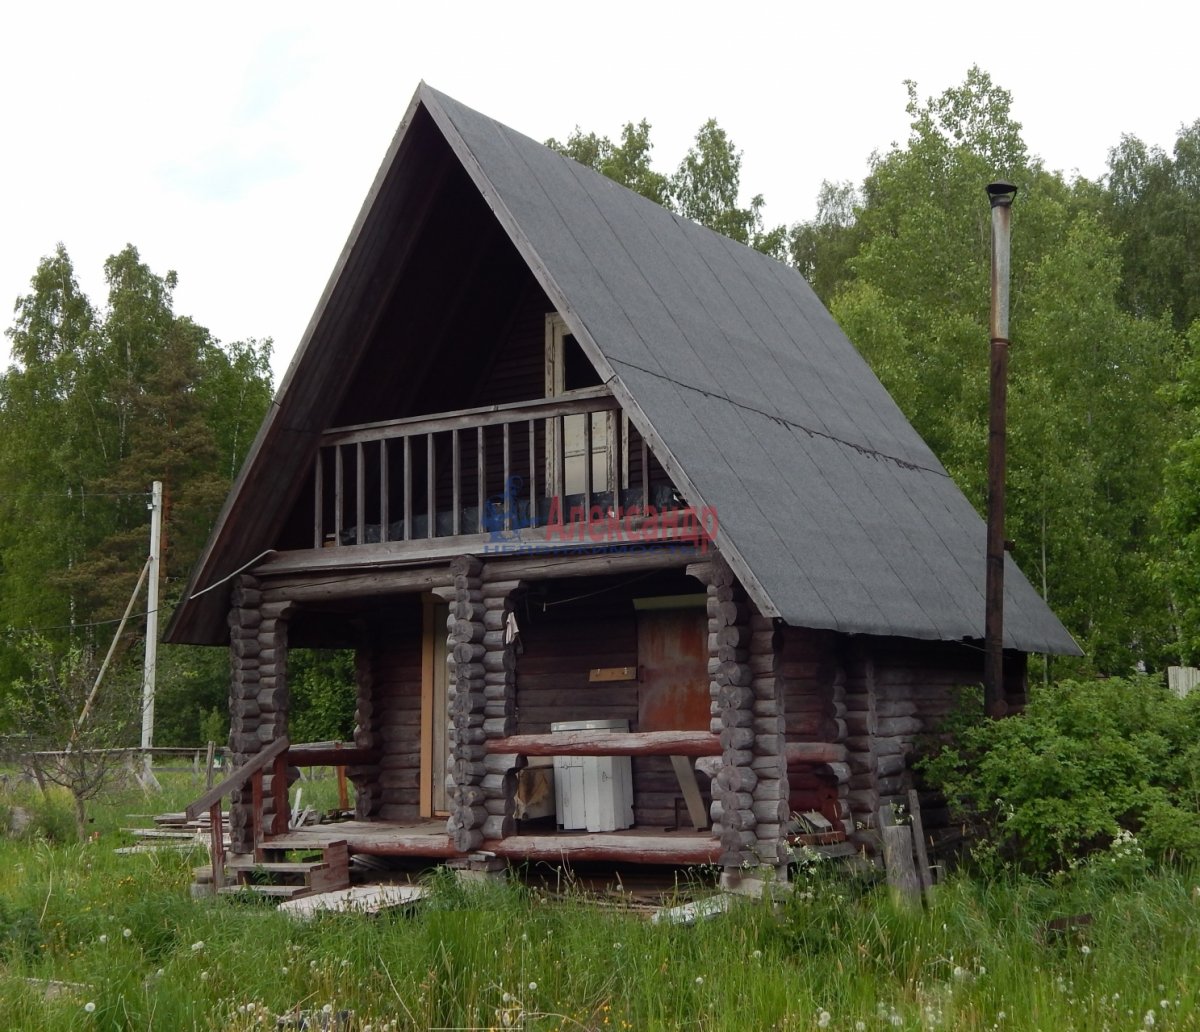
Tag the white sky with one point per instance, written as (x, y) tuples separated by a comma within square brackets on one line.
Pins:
[(234, 142)]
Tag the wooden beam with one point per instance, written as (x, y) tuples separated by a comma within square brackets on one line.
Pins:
[(609, 743), (798, 753), (330, 756), (237, 778), (588, 399), (638, 849)]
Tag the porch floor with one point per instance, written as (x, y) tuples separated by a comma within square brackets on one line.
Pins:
[(428, 838)]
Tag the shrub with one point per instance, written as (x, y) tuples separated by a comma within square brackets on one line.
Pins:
[(1086, 762)]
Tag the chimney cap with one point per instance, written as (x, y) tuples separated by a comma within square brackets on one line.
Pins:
[(1001, 193)]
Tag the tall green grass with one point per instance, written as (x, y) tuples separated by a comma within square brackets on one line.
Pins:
[(80, 925)]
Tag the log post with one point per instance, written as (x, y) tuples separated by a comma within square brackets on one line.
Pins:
[(862, 718), (258, 699), (499, 658), (367, 789), (732, 700), (467, 701)]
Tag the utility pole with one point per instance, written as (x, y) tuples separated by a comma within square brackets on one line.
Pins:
[(155, 507), (1001, 195)]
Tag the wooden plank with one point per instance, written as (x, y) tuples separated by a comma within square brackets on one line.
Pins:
[(798, 753), (533, 497), (609, 743), (385, 501), (455, 483), (430, 487), (334, 755), (236, 779), (641, 849), (319, 500), (481, 473), (918, 827), (691, 791), (408, 489), (571, 403), (337, 496), (507, 495), (360, 494), (589, 459)]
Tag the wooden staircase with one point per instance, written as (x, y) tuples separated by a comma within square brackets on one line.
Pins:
[(276, 877)]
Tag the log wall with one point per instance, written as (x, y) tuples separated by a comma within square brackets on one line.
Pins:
[(388, 717), (258, 695)]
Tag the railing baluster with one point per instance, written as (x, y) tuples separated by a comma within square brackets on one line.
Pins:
[(456, 487), (337, 495), (279, 795), (618, 438), (506, 493), (589, 459), (407, 488), (319, 500), (559, 426), (533, 509), (360, 494), (256, 811), (645, 475), (216, 848), (430, 487), (385, 508), (482, 474)]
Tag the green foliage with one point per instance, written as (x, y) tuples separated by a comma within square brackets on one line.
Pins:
[(1086, 766), (323, 695), (705, 188), (96, 406), (1088, 425), (1153, 206)]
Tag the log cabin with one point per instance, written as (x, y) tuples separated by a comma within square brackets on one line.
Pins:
[(638, 558)]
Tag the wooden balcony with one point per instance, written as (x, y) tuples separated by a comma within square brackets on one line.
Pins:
[(483, 472)]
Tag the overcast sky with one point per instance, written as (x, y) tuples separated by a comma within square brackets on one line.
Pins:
[(235, 143)]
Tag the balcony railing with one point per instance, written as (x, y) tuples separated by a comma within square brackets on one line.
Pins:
[(477, 471)]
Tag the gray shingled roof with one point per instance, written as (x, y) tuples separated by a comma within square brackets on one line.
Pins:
[(831, 507), (833, 512)]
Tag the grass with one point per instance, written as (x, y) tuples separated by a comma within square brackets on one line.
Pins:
[(80, 925)]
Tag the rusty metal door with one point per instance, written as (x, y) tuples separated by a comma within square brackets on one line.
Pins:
[(673, 668)]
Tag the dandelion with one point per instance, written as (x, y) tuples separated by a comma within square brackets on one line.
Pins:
[(1085, 949), (506, 998), (103, 939), (699, 979), (1148, 1020), (823, 1019), (127, 933), (89, 1007), (327, 1009), (1164, 1004), (860, 1026), (533, 987), (756, 955), (198, 946), (203, 976), (960, 973), (284, 969)]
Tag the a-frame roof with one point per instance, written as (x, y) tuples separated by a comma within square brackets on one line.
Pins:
[(832, 510)]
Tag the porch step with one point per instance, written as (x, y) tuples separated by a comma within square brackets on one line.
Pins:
[(287, 879), (274, 891)]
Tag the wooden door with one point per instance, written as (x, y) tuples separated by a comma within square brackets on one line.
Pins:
[(673, 670)]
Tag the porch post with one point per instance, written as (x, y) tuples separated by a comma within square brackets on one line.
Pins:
[(258, 695), (862, 703), (500, 705), (750, 800), (465, 627)]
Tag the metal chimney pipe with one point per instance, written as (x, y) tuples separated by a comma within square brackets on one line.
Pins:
[(1001, 195)]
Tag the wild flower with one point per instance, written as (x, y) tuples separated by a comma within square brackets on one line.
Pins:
[(103, 939), (823, 1019), (89, 1007), (127, 932), (1148, 1020), (198, 946), (532, 986), (699, 979)]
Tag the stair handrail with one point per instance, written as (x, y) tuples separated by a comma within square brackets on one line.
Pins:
[(251, 770)]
